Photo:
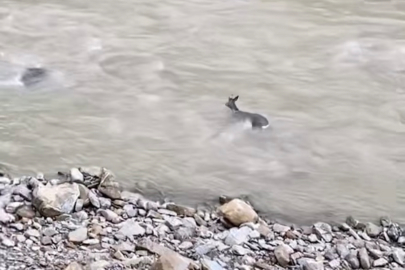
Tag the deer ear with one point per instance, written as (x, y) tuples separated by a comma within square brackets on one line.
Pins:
[(236, 98)]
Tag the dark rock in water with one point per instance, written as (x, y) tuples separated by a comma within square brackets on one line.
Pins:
[(32, 76)]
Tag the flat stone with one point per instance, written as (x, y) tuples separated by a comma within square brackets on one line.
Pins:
[(373, 230), (32, 233), (26, 211), (282, 254), (91, 242), (205, 248), (125, 246), (181, 210), (199, 220), (375, 253), (278, 228), (167, 212), (237, 236), (380, 262), (364, 259), (78, 235), (238, 212)]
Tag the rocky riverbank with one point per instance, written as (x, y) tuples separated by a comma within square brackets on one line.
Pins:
[(82, 220)]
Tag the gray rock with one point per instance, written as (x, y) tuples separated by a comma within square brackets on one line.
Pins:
[(46, 240), (181, 210), (375, 253), (53, 201), (239, 250), (210, 265), (79, 205), (373, 230), (13, 206), (401, 240), (353, 261), (91, 242), (105, 203), (334, 263), (76, 175), (278, 228), (254, 234), (125, 246), (119, 256), (312, 238), (80, 216), (99, 265), (205, 248), (131, 228), (17, 226), (238, 236), (32, 233), (94, 200), (23, 191), (129, 209), (91, 171), (108, 186), (26, 211), (311, 264), (398, 255), (78, 235), (189, 222), (73, 266), (330, 253), (364, 259), (199, 220), (167, 212), (6, 217), (394, 232), (186, 245), (380, 262), (109, 215), (7, 242), (282, 254), (184, 233), (342, 250), (173, 222)]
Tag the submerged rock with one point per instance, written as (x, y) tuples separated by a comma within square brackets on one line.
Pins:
[(238, 212), (33, 75)]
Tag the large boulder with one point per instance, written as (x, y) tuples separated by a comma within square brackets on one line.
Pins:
[(238, 212), (53, 201)]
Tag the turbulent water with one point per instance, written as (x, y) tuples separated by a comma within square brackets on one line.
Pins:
[(140, 86)]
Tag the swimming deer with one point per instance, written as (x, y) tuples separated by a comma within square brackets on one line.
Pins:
[(257, 120)]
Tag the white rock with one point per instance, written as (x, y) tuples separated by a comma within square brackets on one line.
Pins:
[(76, 175)]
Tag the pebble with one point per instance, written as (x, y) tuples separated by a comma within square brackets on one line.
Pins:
[(364, 259), (353, 260), (17, 226), (109, 215), (91, 241), (32, 233), (239, 250), (398, 255), (13, 206), (7, 242), (237, 236), (26, 211), (130, 210)]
